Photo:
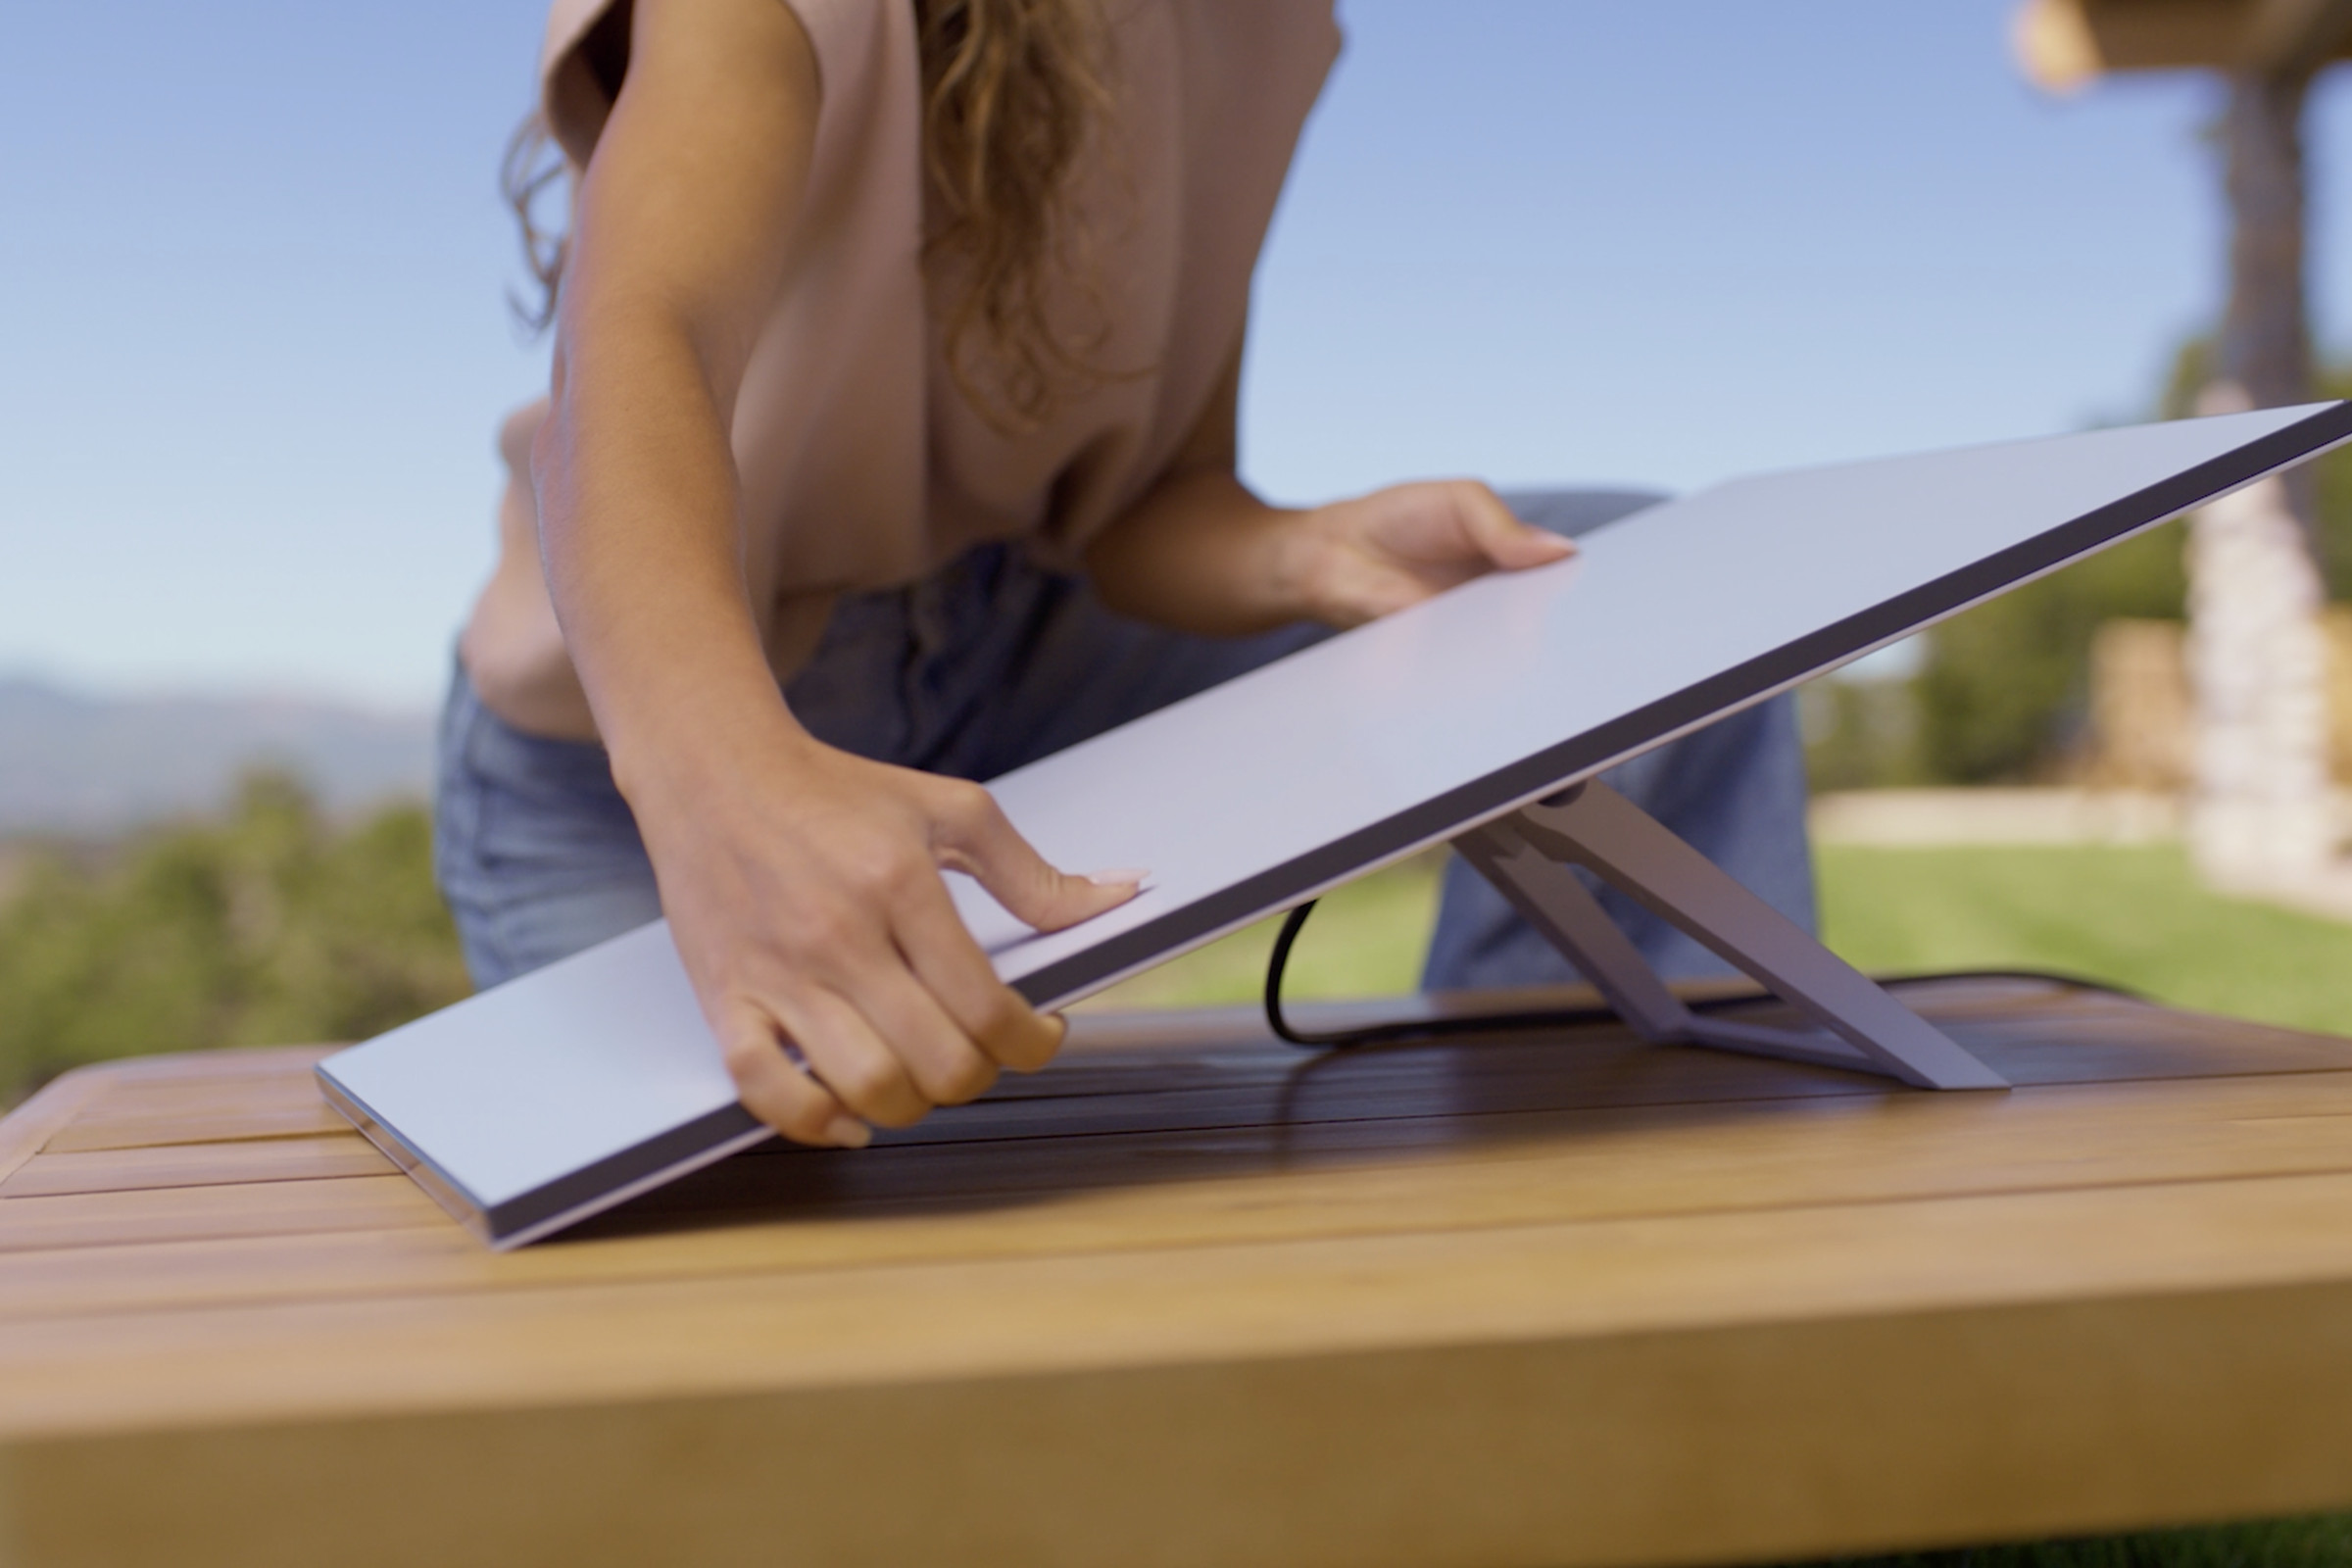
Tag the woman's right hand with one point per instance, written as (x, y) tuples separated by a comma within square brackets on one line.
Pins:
[(802, 885), (803, 890)]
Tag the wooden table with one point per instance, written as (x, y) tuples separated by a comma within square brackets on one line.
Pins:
[(1190, 1297)]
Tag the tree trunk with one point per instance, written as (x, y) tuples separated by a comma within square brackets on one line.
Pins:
[(2257, 655), (2265, 339)]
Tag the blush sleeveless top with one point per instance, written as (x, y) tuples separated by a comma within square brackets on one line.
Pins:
[(862, 465)]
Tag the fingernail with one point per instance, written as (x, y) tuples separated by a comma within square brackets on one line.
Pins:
[(1117, 879), (847, 1132)]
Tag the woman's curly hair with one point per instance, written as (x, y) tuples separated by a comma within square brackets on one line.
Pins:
[(1012, 93)]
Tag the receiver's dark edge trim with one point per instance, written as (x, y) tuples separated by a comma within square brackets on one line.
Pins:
[(1720, 694), (655, 1154), (496, 1222)]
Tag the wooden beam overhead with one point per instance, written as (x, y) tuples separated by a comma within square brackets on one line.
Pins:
[(2063, 44), (2290, 36)]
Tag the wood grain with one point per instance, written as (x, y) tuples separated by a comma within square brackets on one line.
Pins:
[(221, 1164), (1189, 1296), (152, 1117), (1040, 1197), (260, 1209), (26, 1130), (1762, 1443), (609, 1341)]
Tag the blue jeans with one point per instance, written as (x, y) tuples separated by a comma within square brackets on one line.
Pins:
[(992, 662)]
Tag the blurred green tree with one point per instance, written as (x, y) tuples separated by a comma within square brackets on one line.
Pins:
[(1862, 734), (2004, 687), (2002, 690), (267, 926)]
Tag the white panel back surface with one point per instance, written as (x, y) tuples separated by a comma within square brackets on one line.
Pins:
[(556, 1071), (1357, 729)]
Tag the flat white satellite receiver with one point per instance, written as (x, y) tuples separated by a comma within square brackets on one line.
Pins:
[(1477, 718)]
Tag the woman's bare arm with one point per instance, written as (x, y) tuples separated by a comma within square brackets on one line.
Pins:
[(680, 234), (802, 885)]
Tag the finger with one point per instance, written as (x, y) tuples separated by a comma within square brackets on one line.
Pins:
[(848, 1057), (988, 1013), (1501, 536), (778, 1093), (945, 1065), (971, 834)]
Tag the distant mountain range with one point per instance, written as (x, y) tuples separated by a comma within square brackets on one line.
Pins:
[(83, 765)]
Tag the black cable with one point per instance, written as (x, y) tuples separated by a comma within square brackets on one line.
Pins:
[(1384, 1034)]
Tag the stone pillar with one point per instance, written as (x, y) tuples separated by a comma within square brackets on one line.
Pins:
[(2257, 655), (2258, 666)]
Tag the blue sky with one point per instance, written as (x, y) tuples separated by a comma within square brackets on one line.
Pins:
[(254, 342)]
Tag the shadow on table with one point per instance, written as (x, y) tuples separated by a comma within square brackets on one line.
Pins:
[(1142, 1099)]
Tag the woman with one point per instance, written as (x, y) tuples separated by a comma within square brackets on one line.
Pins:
[(891, 444)]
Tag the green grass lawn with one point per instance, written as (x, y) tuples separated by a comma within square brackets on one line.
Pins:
[(2321, 1542), (1365, 940), (2132, 917)]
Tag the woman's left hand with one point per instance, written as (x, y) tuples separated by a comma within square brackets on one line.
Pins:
[(1355, 560)]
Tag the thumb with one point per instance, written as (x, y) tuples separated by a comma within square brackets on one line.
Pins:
[(973, 835)]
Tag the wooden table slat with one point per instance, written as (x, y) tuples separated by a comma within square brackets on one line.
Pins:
[(207, 1164), (245, 1208), (25, 1131), (895, 1324), (1366, 1178), (1192, 1296)]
